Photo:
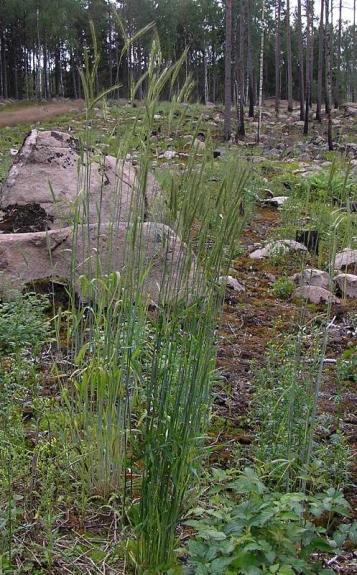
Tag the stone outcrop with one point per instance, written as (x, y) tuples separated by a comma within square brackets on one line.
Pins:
[(51, 171), (63, 232), (68, 253)]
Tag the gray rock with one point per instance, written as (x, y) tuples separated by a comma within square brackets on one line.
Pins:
[(312, 277), (315, 294), (347, 283), (49, 171), (276, 248), (29, 257), (276, 201), (168, 155), (231, 283), (346, 259)]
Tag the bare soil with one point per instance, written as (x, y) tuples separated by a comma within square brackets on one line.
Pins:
[(37, 113)]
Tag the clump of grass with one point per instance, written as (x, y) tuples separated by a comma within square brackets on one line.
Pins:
[(138, 402), (285, 409), (23, 323), (283, 288)]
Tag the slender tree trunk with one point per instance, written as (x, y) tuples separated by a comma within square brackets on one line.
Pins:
[(288, 49), (301, 62), (228, 73), (277, 55), (312, 14), (320, 63), (205, 75), (250, 61), (338, 90), (73, 72), (354, 55), (1, 71), (110, 48), (261, 73), (328, 75), (308, 65), (4, 67), (241, 72), (38, 58)]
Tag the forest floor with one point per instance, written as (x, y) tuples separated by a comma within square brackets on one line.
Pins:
[(262, 315)]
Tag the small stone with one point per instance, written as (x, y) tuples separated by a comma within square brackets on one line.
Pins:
[(231, 283), (276, 201), (347, 284), (168, 155), (315, 294), (312, 277), (276, 248), (199, 145)]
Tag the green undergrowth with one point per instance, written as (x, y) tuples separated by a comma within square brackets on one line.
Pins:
[(244, 527), (289, 447)]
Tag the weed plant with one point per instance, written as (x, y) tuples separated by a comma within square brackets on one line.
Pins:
[(285, 408), (244, 527), (323, 203), (138, 401)]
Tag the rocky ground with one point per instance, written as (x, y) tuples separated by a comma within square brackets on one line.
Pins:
[(256, 312)]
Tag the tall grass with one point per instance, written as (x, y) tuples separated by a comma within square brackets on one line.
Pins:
[(138, 401)]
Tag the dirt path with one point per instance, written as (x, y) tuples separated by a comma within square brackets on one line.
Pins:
[(37, 113)]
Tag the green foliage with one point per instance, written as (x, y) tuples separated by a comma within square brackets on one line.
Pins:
[(347, 364), (322, 203), (284, 408), (248, 529), (23, 323), (333, 186), (283, 288)]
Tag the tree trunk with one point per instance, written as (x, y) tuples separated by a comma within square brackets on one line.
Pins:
[(228, 73), (241, 72), (301, 62), (320, 63), (261, 73), (311, 51), (277, 55), (1, 71), (308, 65), (250, 62), (338, 90), (354, 55), (328, 74), (288, 48), (205, 75)]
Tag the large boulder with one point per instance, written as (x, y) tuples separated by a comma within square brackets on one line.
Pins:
[(314, 294), (347, 260), (53, 172), (347, 284), (67, 213), (92, 250), (312, 277)]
